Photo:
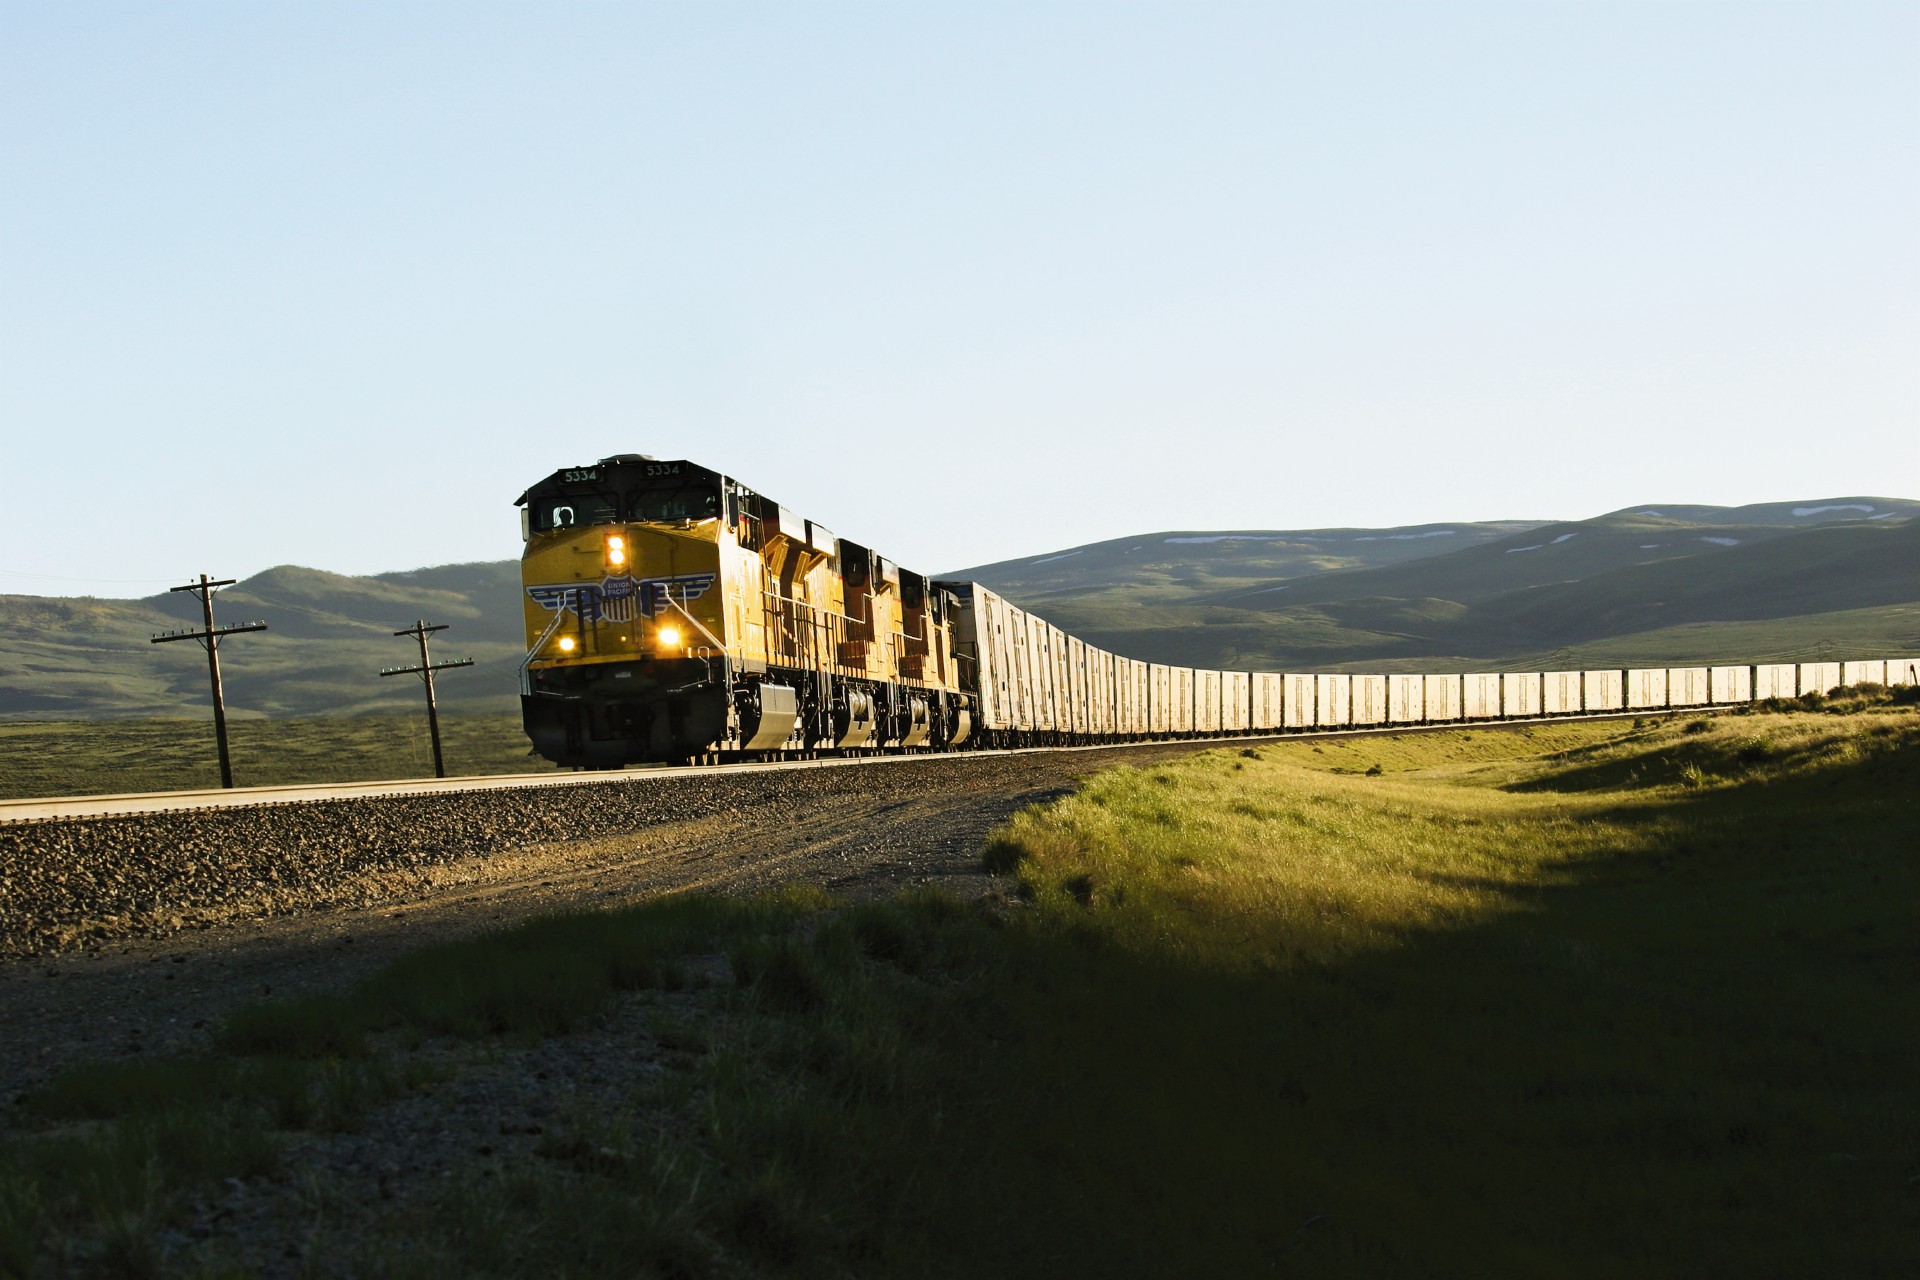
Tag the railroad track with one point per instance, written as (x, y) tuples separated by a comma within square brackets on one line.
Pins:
[(130, 924), (70, 808)]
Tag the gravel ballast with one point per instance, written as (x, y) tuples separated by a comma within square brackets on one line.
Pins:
[(68, 884), (134, 934)]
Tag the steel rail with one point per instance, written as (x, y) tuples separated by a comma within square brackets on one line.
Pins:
[(64, 808)]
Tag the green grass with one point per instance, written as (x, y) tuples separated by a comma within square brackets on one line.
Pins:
[(1580, 1000), (82, 757)]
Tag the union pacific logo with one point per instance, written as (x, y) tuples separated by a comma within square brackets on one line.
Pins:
[(620, 599)]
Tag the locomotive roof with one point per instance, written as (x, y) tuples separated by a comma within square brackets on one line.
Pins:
[(618, 471)]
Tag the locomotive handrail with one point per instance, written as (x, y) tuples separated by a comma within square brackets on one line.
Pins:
[(553, 625), (699, 626)]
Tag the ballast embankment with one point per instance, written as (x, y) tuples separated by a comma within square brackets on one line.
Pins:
[(67, 884)]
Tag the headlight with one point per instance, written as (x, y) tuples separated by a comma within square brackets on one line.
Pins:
[(669, 637), (567, 644), (616, 550)]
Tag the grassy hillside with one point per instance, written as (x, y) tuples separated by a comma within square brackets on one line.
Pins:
[(1642, 585), (329, 637), (1582, 1001), (1179, 567)]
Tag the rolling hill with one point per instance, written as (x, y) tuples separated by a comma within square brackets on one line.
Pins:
[(1642, 585), (328, 637), (1665, 582)]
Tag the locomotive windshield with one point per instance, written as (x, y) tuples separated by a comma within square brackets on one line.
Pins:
[(564, 511), (675, 501)]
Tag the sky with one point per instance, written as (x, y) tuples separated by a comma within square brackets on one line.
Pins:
[(331, 284)]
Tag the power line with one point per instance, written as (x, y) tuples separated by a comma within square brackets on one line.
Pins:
[(420, 631), (209, 638)]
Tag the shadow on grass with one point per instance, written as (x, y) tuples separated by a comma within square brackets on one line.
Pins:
[(1753, 750), (1685, 1057)]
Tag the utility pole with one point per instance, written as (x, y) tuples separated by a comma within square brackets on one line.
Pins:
[(420, 631), (209, 638)]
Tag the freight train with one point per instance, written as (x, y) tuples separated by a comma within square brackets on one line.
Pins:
[(673, 614)]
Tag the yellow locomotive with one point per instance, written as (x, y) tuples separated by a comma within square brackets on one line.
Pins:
[(674, 614)]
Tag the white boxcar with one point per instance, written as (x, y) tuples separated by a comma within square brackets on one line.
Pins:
[(1099, 692), (1405, 701), (1480, 695), (1333, 700), (1871, 672), (1297, 710), (1267, 699), (1520, 694), (1087, 675), (1182, 700), (1061, 646), (1731, 684), (1369, 700), (1019, 674), (1903, 671), (1559, 693), (1159, 699), (1013, 625), (1134, 700), (1113, 688), (1079, 689), (1040, 674), (1236, 707), (1021, 631), (1776, 680), (1206, 701), (1026, 678), (1129, 695), (980, 632), (1687, 686), (1602, 691), (1819, 677), (1083, 715), (1646, 688), (1442, 697)]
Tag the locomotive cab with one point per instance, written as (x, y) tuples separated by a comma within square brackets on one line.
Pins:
[(627, 636)]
